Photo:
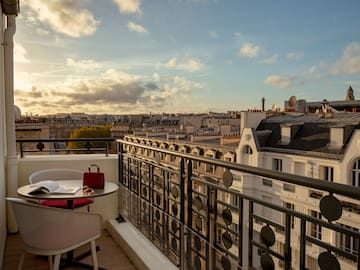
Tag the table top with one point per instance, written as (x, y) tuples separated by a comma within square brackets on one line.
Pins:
[(108, 189)]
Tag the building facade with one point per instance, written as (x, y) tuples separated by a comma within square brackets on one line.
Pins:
[(308, 145)]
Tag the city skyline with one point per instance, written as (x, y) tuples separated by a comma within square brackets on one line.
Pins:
[(133, 56)]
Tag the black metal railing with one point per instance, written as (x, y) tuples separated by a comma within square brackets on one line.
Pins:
[(60, 145), (202, 221)]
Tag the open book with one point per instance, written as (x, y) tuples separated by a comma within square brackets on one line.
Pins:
[(49, 186)]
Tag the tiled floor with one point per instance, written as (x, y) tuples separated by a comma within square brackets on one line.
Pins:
[(110, 256)]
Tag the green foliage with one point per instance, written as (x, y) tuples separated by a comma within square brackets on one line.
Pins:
[(89, 132)]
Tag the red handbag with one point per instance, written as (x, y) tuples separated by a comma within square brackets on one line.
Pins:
[(94, 179)]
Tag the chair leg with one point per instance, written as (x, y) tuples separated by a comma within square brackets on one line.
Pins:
[(21, 260), (56, 262), (50, 262), (94, 255)]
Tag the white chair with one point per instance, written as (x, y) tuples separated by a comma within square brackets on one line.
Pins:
[(60, 174), (49, 231)]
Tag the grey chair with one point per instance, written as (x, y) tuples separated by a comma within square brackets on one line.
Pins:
[(50, 231)]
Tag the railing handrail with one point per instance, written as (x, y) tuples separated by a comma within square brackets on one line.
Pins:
[(107, 139), (40, 145), (331, 187)]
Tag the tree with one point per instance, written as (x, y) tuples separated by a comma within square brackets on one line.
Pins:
[(90, 132)]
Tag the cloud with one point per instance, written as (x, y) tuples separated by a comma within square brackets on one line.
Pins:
[(33, 93), (171, 63), (312, 69), (279, 81), (314, 72), (349, 63), (20, 54), (42, 31), (250, 51), (87, 64), (64, 16), (111, 92), (294, 56), (271, 60), (156, 77), (128, 6), (213, 34), (190, 65), (136, 28), (239, 36)]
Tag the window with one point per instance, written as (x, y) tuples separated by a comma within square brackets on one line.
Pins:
[(326, 173), (291, 207), (277, 165), (219, 237), (267, 182), (247, 150), (299, 168), (289, 187), (315, 194), (356, 173), (267, 212), (210, 168), (234, 236), (347, 242), (315, 229), (235, 200)]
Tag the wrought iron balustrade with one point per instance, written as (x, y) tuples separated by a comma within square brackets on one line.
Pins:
[(203, 221), (53, 146)]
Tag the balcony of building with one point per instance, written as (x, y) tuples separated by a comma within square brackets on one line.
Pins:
[(177, 216)]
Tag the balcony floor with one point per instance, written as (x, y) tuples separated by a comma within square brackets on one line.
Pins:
[(110, 255)]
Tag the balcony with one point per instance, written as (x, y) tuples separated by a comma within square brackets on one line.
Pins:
[(189, 219)]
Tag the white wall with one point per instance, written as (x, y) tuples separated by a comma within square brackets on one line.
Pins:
[(3, 231), (352, 153)]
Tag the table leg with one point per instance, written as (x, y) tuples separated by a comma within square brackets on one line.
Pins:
[(70, 204), (74, 261)]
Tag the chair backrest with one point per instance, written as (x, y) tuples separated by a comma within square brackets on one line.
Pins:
[(48, 230), (56, 174)]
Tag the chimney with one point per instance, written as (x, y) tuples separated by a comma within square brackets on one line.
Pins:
[(251, 119), (263, 104)]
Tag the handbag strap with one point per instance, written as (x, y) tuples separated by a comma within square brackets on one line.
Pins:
[(94, 165)]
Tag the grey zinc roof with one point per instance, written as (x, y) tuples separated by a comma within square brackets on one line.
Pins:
[(340, 117), (313, 135)]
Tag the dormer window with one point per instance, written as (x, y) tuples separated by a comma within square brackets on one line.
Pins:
[(289, 131), (356, 173), (247, 150)]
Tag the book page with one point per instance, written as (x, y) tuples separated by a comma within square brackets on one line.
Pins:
[(66, 190), (47, 186), (50, 186)]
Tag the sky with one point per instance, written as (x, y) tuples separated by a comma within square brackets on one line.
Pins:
[(175, 56)]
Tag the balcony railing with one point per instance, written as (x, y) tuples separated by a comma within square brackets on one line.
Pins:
[(202, 221), (55, 146)]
